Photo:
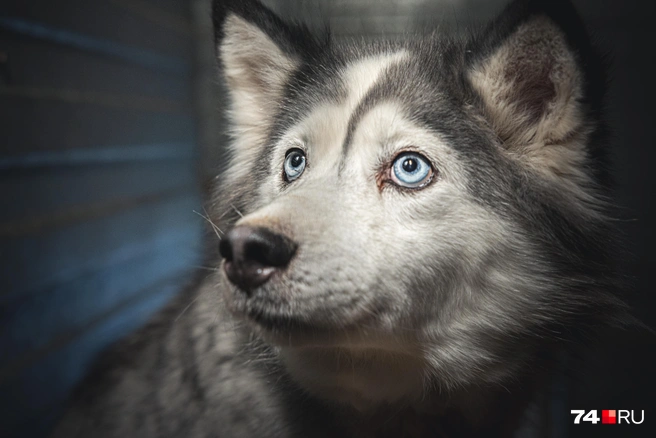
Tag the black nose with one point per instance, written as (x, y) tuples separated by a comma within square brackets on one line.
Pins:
[(252, 255)]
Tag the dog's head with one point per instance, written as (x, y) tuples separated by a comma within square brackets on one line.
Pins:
[(413, 213)]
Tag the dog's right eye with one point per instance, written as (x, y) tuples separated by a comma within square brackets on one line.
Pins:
[(411, 170), (294, 164)]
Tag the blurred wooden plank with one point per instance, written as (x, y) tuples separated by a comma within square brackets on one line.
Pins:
[(112, 100), (43, 195), (34, 321), (61, 37), (46, 380), (174, 21), (67, 217), (40, 64), (178, 7), (34, 262), (37, 125), (105, 155), (100, 21)]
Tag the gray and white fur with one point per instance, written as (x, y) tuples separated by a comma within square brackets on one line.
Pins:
[(350, 304)]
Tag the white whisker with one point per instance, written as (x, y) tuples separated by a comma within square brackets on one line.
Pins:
[(214, 227), (236, 210), (186, 308), (207, 268)]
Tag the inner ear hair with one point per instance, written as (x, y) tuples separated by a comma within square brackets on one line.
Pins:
[(531, 84), (251, 60), (538, 85)]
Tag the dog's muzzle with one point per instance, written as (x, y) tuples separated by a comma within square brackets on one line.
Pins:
[(253, 254)]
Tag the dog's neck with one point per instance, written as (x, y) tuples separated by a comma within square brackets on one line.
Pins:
[(361, 378), (380, 394)]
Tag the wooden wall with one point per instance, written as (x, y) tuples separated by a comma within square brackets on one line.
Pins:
[(98, 184)]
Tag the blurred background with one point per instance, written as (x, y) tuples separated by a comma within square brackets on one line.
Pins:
[(111, 130)]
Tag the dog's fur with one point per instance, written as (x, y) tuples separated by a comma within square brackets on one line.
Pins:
[(438, 310)]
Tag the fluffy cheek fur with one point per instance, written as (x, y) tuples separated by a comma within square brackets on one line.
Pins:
[(421, 310), (458, 280)]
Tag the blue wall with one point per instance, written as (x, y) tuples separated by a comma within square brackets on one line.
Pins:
[(98, 184)]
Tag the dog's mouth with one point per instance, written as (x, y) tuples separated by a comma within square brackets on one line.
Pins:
[(289, 331), (278, 325), (283, 316)]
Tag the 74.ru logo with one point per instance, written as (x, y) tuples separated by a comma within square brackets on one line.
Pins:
[(608, 416)]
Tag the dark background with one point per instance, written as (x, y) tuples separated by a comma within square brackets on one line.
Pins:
[(111, 130)]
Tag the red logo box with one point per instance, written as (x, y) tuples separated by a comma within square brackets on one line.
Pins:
[(608, 416)]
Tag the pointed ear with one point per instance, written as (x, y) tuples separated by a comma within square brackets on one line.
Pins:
[(539, 82), (258, 54)]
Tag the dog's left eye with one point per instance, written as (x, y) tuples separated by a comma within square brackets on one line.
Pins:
[(294, 164), (411, 170)]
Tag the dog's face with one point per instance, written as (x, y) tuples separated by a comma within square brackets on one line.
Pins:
[(405, 207)]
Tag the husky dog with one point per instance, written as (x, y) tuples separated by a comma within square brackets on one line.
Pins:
[(414, 231)]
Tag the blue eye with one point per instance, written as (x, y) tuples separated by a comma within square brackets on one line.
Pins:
[(294, 164), (411, 170)]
